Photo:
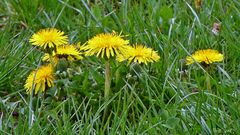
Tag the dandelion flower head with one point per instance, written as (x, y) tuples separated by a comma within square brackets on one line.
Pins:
[(49, 38), (106, 45), (139, 54), (207, 56), (40, 79), (70, 52)]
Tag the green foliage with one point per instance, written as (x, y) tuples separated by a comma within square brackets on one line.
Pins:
[(166, 97)]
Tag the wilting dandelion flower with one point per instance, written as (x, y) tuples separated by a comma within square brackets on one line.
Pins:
[(70, 52), (207, 56), (139, 54), (107, 44), (49, 38), (40, 79)]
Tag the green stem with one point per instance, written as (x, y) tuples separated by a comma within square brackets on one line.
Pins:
[(208, 82), (30, 115), (107, 89), (31, 112), (117, 76)]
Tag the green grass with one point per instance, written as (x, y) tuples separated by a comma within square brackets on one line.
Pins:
[(166, 97)]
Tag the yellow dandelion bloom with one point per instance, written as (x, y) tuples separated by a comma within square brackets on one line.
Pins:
[(107, 44), (139, 54), (206, 56), (40, 79), (49, 38), (69, 52)]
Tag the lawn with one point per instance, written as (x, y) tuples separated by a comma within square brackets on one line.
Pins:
[(101, 95)]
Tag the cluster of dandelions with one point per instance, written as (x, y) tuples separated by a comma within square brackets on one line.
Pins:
[(55, 45), (109, 46)]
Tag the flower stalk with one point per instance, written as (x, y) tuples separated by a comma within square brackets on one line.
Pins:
[(30, 115), (208, 82), (107, 89), (208, 79)]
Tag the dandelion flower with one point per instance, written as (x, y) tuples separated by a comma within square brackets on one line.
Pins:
[(49, 38), (207, 56), (107, 44), (139, 54), (69, 52), (40, 79)]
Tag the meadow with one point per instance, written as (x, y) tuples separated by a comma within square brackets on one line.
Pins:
[(175, 92)]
